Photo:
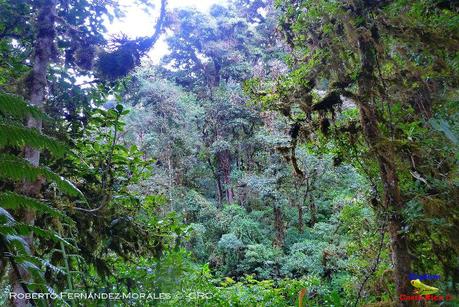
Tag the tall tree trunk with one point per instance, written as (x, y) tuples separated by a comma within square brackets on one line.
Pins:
[(386, 161), (43, 52), (312, 211), (224, 170), (300, 217), (299, 202), (309, 199), (218, 184), (219, 190), (278, 226)]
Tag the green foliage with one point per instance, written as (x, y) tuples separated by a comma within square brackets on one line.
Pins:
[(11, 200), (14, 106), (16, 236), (18, 137), (185, 283), (17, 169), (241, 169), (229, 243), (260, 260)]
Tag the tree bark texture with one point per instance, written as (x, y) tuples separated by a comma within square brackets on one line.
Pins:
[(300, 217), (279, 227), (385, 155), (224, 171), (43, 52)]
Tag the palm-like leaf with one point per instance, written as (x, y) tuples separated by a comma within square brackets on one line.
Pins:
[(16, 136), (17, 169), (13, 244), (11, 200), (14, 106)]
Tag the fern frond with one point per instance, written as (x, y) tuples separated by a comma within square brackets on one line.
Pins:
[(11, 200), (15, 106), (76, 256), (18, 243), (13, 109), (32, 268), (63, 184), (54, 268), (16, 136), (27, 265), (5, 217), (6, 230), (33, 265), (40, 286), (25, 229), (28, 258), (16, 169)]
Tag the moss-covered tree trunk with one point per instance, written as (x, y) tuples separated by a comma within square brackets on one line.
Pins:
[(278, 226), (43, 52), (312, 211), (309, 198), (385, 156), (300, 217), (224, 170)]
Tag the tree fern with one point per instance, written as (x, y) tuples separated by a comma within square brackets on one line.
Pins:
[(14, 169), (16, 136), (14, 106), (25, 229), (11, 200), (15, 243), (16, 249)]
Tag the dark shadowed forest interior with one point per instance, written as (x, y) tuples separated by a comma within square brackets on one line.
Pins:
[(241, 153)]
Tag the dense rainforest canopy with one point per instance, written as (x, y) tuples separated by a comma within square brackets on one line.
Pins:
[(281, 153)]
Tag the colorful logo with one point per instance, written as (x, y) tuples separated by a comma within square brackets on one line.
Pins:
[(423, 289), (422, 277), (424, 292)]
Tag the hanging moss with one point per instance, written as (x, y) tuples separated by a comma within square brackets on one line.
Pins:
[(325, 125), (294, 130), (328, 102)]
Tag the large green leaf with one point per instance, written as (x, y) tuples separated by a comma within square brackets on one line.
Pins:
[(15, 106), (16, 136), (25, 229), (11, 200), (16, 169)]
